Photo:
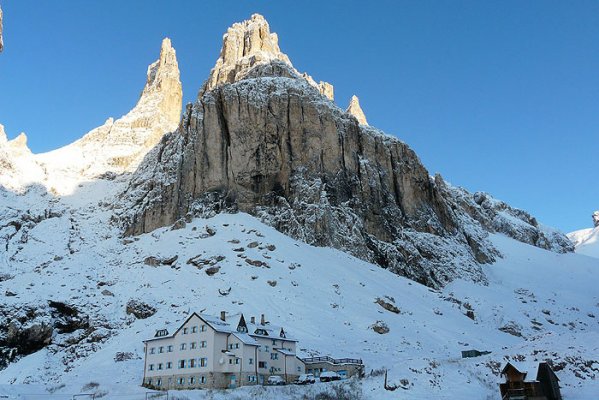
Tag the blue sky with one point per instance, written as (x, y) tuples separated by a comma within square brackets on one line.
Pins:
[(497, 96)]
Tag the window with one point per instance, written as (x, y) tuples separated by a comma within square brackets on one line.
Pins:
[(181, 381), (251, 361), (159, 382), (161, 349), (192, 380), (274, 356), (181, 363), (266, 349), (183, 346), (203, 343), (231, 346), (203, 329), (203, 362), (274, 342), (193, 345), (169, 348), (185, 330), (299, 369), (151, 367), (160, 366), (149, 381), (194, 329), (230, 361), (261, 364), (153, 350), (236, 345), (237, 361), (252, 378), (192, 363), (202, 379), (169, 365)]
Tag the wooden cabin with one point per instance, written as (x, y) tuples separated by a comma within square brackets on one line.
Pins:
[(516, 387)]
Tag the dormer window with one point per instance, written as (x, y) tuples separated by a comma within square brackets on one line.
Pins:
[(161, 333), (282, 334), (242, 329)]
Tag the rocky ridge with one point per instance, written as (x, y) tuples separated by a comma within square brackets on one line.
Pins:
[(116, 147), (264, 139)]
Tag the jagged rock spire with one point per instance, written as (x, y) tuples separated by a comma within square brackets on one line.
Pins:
[(163, 80), (355, 110), (245, 44)]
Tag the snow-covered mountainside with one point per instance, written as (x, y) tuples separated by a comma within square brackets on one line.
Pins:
[(587, 240), (86, 242)]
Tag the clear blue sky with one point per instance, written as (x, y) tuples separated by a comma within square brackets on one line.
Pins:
[(498, 96)]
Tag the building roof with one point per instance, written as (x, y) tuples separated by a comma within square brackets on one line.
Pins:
[(230, 327), (273, 332), (246, 338), (286, 352), (529, 369)]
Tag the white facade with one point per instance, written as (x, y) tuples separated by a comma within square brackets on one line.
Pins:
[(212, 352)]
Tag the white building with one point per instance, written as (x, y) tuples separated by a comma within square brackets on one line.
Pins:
[(213, 352)]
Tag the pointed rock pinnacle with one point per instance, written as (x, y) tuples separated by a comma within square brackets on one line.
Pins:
[(355, 110)]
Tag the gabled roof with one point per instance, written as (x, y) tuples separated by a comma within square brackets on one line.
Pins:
[(286, 352), (273, 332), (522, 367), (246, 338)]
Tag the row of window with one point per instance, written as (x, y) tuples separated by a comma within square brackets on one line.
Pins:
[(192, 380), (191, 363), (194, 329), (181, 381), (182, 346)]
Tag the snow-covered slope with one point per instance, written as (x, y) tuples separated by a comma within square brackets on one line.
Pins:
[(586, 241), (537, 305)]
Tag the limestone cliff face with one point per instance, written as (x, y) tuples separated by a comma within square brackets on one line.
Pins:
[(265, 140)]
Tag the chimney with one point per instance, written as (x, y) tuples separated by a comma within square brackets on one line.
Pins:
[(262, 320), (253, 320), (222, 315)]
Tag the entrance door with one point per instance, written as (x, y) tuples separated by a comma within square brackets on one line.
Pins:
[(233, 383)]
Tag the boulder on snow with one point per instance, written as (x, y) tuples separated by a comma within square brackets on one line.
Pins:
[(380, 327), (139, 309)]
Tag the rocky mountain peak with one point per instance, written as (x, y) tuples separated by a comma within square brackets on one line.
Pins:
[(245, 45), (355, 110), (163, 81), (596, 218), (157, 112)]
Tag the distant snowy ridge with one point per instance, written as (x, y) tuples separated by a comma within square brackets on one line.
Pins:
[(586, 241)]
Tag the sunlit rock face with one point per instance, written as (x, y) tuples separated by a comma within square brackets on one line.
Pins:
[(267, 140), (355, 110), (596, 219)]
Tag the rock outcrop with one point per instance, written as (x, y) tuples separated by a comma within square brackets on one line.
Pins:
[(596, 219), (355, 110), (263, 139)]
